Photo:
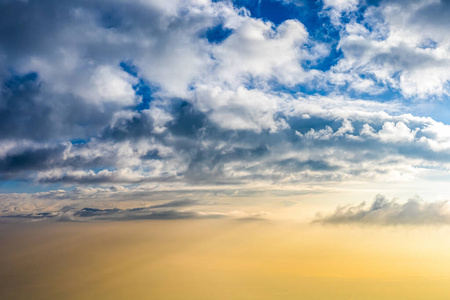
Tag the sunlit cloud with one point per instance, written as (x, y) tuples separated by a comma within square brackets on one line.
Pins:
[(384, 212)]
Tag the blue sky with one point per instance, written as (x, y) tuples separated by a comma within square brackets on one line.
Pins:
[(205, 100)]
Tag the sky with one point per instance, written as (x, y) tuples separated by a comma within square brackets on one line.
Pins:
[(332, 115), (180, 109)]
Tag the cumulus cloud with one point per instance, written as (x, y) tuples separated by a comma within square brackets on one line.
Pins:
[(397, 132), (386, 212), (381, 49)]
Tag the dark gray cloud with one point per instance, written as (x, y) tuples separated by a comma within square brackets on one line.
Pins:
[(177, 203), (31, 159), (386, 212), (20, 109)]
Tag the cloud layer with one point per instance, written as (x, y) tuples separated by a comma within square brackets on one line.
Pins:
[(220, 94)]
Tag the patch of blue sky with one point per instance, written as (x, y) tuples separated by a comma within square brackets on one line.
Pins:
[(438, 109), (16, 80), (428, 44), (278, 11), (324, 33), (103, 168), (302, 89), (143, 88), (129, 67), (380, 93), (217, 34), (111, 19), (269, 10), (79, 141), (325, 63), (24, 186), (354, 16), (303, 125)]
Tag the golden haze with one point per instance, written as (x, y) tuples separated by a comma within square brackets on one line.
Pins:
[(220, 259)]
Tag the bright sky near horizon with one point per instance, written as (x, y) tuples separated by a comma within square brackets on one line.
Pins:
[(221, 259)]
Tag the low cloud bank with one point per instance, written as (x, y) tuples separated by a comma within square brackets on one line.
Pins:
[(115, 214), (171, 210), (387, 212)]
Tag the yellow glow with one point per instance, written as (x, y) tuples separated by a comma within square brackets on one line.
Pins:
[(219, 259)]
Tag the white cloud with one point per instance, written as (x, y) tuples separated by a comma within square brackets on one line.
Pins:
[(396, 132), (398, 44), (341, 5), (241, 109), (258, 49), (109, 84)]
